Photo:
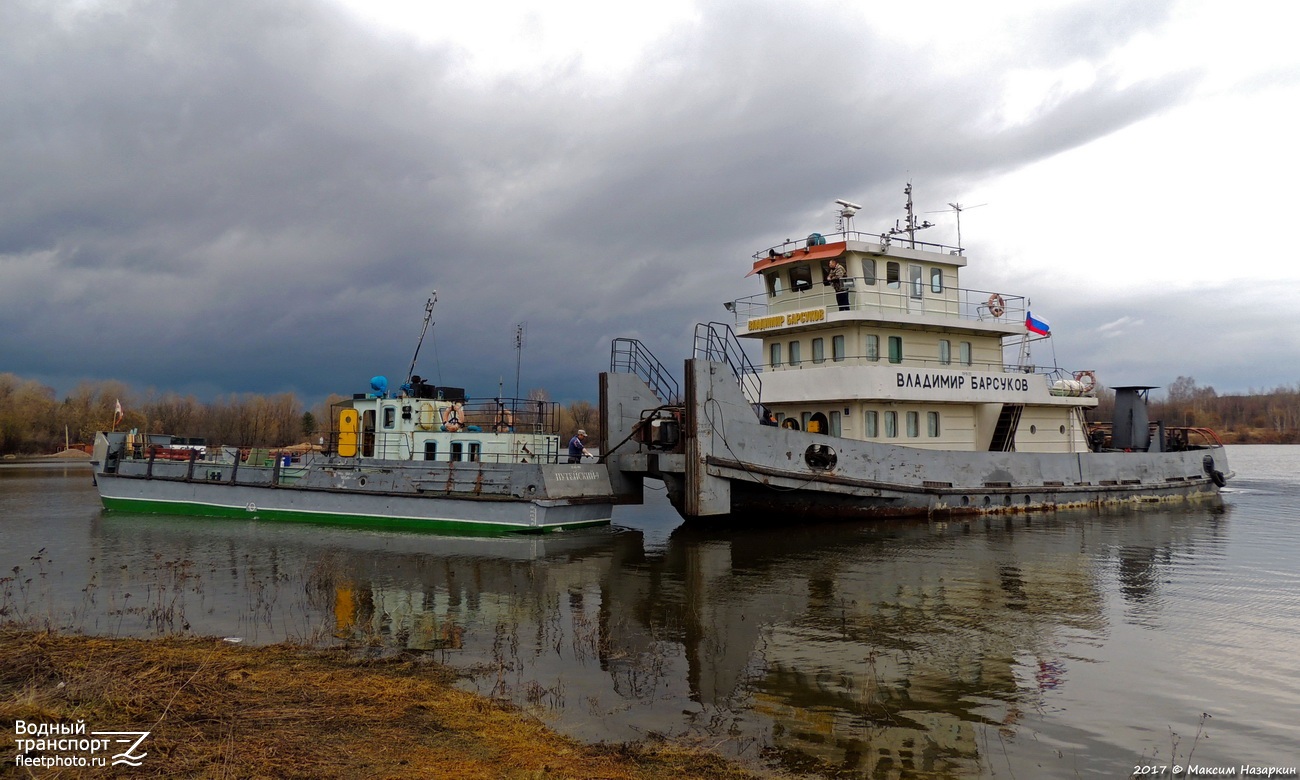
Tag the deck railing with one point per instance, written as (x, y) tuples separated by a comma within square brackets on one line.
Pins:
[(883, 298)]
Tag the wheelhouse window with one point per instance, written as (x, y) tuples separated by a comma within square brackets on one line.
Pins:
[(873, 347), (868, 271), (895, 349), (913, 424), (936, 280), (891, 425), (773, 283), (964, 351), (819, 350), (837, 348), (945, 351), (774, 350), (892, 276), (932, 424), (914, 277), (800, 277), (794, 353), (873, 423)]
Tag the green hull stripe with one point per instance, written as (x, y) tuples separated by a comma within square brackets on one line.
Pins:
[(362, 521)]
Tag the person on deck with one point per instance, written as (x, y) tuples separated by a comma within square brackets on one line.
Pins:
[(835, 275), (577, 447)]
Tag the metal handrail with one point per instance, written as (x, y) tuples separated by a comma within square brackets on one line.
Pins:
[(966, 304), (630, 356), (717, 341), (791, 245)]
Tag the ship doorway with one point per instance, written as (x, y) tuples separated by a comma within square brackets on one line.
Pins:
[(818, 424), (368, 433), (915, 289)]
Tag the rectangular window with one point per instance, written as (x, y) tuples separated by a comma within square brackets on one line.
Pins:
[(431, 450), (914, 276), (475, 451), (895, 349), (891, 425), (869, 271), (794, 353), (873, 347), (773, 284), (936, 280), (932, 424), (775, 350), (945, 351), (457, 451), (835, 423), (819, 350), (873, 424), (913, 424), (390, 416), (837, 348), (892, 276), (964, 348), (800, 278), (804, 417)]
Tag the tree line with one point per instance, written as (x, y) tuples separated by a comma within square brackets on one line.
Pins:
[(34, 420), (1258, 417)]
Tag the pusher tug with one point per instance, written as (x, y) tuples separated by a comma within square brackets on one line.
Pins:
[(884, 392)]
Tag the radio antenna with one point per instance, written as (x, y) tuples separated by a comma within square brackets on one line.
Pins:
[(428, 317), (519, 353)]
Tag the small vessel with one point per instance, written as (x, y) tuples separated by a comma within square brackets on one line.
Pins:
[(886, 389), (424, 457)]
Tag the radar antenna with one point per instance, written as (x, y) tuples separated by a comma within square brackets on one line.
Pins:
[(847, 210), (428, 317), (912, 225)]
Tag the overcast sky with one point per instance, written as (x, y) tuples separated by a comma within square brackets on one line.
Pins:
[(259, 197)]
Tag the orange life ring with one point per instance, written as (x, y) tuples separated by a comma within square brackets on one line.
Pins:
[(1090, 377), (997, 306), (505, 421), (451, 417)]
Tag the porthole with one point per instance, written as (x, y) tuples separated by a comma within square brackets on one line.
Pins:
[(988, 501), (362, 482), (1006, 500), (965, 500), (1033, 429), (820, 457), (1062, 429)]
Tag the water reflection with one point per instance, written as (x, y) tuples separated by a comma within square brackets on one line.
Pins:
[(873, 650)]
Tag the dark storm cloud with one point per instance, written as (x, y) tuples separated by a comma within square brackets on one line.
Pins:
[(242, 196)]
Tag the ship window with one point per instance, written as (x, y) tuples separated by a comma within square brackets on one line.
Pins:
[(804, 417), (475, 451), (892, 276), (390, 416), (932, 424), (891, 425), (794, 353), (873, 347), (936, 280), (873, 424), (773, 284), (895, 349), (869, 271), (913, 424), (945, 351), (431, 450), (964, 348), (457, 451), (837, 348), (800, 277), (775, 350), (835, 424), (819, 350), (914, 277)]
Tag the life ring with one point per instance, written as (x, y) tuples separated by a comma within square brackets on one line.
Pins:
[(997, 305), (427, 415), (505, 421), (451, 417), (1087, 378)]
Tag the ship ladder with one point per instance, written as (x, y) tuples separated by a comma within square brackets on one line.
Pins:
[(1004, 435)]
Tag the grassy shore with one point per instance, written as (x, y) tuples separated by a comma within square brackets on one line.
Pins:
[(215, 709)]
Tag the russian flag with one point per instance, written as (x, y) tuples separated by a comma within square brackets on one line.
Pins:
[(1037, 324)]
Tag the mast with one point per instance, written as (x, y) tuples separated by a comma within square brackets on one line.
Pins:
[(428, 316)]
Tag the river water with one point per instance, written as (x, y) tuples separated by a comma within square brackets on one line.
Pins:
[(1064, 645)]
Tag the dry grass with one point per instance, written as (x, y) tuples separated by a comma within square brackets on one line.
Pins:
[(220, 710)]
